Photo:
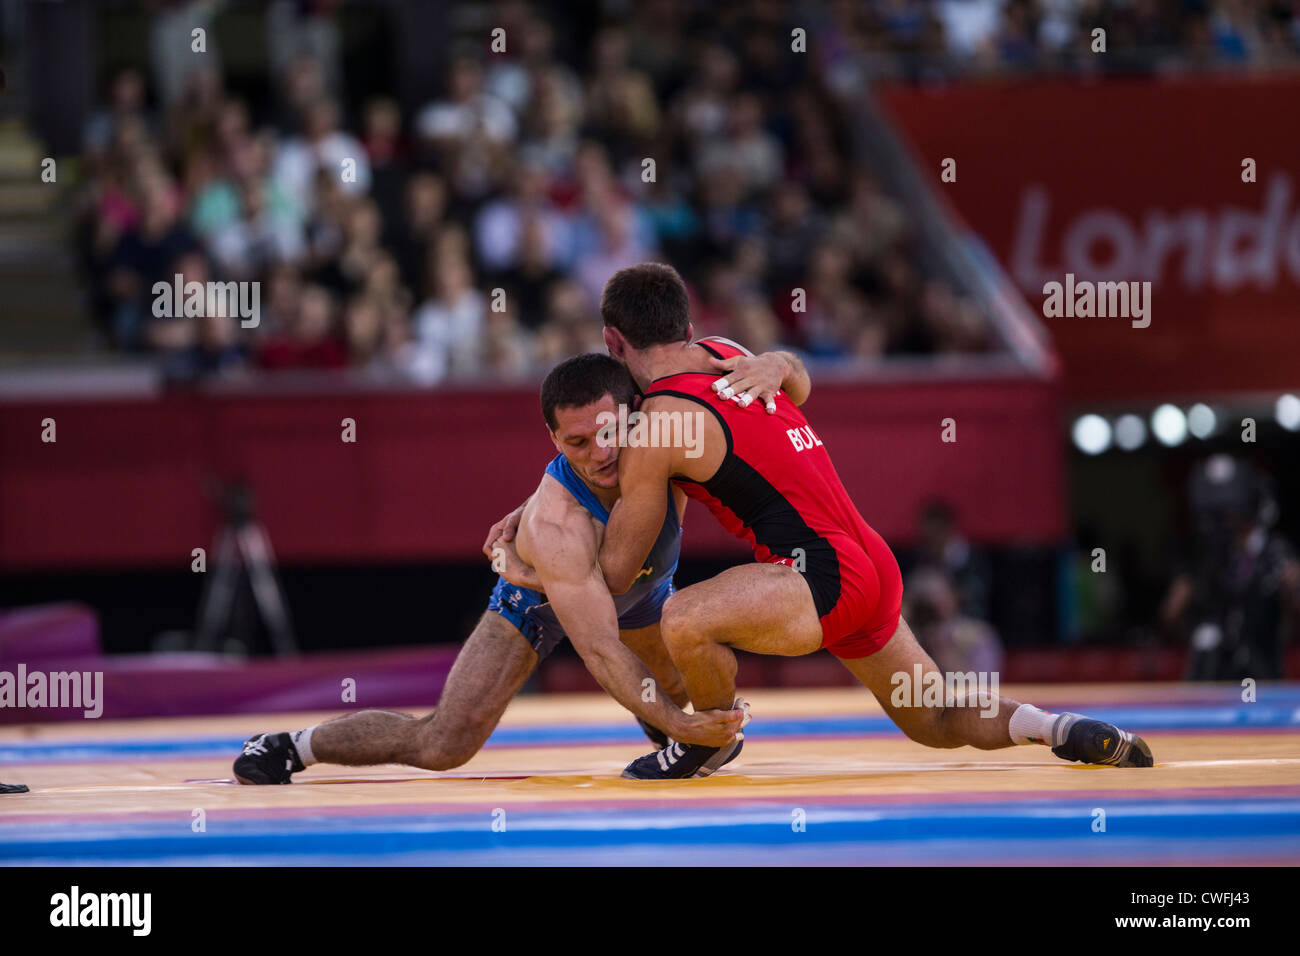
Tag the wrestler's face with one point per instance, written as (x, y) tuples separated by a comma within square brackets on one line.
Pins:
[(576, 438)]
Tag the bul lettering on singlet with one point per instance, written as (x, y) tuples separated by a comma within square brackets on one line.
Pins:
[(803, 438)]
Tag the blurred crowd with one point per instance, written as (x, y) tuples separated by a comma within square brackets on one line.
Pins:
[(471, 236), (935, 39)]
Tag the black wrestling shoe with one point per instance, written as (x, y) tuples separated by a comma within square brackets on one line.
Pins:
[(268, 758), (1097, 742), (13, 788), (657, 736), (679, 761)]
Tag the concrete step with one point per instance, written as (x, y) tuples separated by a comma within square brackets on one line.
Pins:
[(28, 201)]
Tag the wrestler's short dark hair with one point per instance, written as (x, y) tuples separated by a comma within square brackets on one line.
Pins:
[(648, 303), (582, 380)]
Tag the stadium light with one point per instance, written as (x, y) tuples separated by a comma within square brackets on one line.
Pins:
[(1201, 420), (1091, 434), (1287, 411), (1169, 425), (1130, 432)]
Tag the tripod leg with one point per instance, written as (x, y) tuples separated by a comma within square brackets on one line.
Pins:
[(218, 593), (266, 587)]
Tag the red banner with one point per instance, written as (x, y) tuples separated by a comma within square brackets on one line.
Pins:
[(130, 482), (1136, 181)]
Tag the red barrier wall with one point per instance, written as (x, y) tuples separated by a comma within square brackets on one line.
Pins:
[(124, 484), (1136, 180)]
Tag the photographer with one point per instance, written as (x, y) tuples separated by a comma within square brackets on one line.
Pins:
[(1239, 593)]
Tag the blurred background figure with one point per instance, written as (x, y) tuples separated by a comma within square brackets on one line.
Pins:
[(957, 642), (1236, 598), (942, 547)]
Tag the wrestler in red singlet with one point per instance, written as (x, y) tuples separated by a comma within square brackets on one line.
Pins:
[(777, 489)]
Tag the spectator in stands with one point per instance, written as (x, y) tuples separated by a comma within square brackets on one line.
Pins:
[(125, 105), (171, 332), (728, 215), (300, 83), (572, 325), (551, 124), (311, 341), (619, 244), (279, 302), (675, 224), (383, 283), (512, 78), (746, 148), (829, 279), (322, 148), (265, 229), (861, 331), (505, 353), (422, 217), (753, 325), (384, 142), (306, 31), (191, 124), (371, 341), (217, 351), (621, 109), (327, 223), (171, 35), (872, 226), (793, 229), (389, 154), (449, 324), (345, 272), (144, 253), (700, 112), (500, 226), (529, 282), (468, 133)]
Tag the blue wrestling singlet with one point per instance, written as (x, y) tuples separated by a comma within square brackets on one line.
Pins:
[(640, 606)]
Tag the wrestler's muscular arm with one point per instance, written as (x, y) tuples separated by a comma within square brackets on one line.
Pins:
[(562, 542), (757, 374), (637, 516)]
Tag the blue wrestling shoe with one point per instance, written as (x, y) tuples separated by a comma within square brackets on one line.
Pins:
[(1097, 742)]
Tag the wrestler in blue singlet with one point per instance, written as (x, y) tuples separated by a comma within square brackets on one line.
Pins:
[(640, 606)]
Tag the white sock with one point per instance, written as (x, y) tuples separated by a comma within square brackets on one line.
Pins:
[(302, 743), (1029, 725)]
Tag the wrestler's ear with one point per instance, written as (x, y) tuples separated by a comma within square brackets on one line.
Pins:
[(616, 344)]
